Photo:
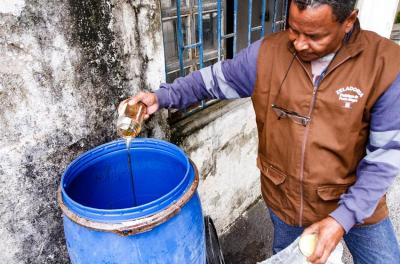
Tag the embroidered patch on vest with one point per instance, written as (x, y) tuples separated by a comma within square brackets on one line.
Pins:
[(349, 95)]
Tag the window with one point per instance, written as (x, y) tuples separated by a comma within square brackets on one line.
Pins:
[(198, 33), (188, 33)]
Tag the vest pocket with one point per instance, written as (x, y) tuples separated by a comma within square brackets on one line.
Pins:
[(332, 192), (269, 171)]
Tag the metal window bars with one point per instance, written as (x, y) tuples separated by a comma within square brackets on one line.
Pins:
[(199, 44), (280, 8), (283, 14)]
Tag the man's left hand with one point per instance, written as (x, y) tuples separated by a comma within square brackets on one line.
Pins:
[(330, 232)]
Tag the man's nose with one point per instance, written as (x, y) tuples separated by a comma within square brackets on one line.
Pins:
[(300, 44)]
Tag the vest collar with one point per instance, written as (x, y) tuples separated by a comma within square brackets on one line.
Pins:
[(352, 46)]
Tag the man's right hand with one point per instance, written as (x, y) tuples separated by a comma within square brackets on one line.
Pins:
[(149, 99)]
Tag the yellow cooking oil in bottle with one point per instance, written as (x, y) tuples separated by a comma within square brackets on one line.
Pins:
[(129, 125)]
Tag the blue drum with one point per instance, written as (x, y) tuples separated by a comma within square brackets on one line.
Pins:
[(154, 218)]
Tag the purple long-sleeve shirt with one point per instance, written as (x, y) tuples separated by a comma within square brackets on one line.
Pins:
[(235, 78)]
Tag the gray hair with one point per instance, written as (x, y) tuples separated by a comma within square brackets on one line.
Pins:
[(341, 8)]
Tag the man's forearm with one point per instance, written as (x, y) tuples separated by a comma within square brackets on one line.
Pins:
[(182, 92)]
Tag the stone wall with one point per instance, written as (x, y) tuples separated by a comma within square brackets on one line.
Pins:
[(64, 66)]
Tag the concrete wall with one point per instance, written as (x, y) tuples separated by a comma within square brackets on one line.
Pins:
[(64, 66), (225, 154)]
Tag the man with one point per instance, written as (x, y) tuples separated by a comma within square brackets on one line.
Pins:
[(327, 100)]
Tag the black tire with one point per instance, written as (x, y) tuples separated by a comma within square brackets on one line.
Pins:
[(213, 249)]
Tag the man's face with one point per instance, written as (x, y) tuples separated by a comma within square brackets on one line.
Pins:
[(315, 32)]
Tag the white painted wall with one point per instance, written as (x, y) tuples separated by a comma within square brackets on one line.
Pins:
[(378, 15)]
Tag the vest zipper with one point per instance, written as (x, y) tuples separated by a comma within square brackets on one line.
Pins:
[(307, 130), (303, 151), (303, 146)]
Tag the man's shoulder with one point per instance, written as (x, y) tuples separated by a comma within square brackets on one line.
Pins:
[(375, 41), (277, 39)]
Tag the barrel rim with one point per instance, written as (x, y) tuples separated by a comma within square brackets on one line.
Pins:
[(122, 214), (135, 226)]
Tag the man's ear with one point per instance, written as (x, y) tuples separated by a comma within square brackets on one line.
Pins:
[(350, 20)]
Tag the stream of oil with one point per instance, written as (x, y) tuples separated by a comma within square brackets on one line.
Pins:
[(128, 141)]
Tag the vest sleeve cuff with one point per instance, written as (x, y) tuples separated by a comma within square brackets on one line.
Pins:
[(162, 97), (345, 217)]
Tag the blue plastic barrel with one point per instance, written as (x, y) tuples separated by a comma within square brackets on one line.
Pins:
[(104, 222)]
